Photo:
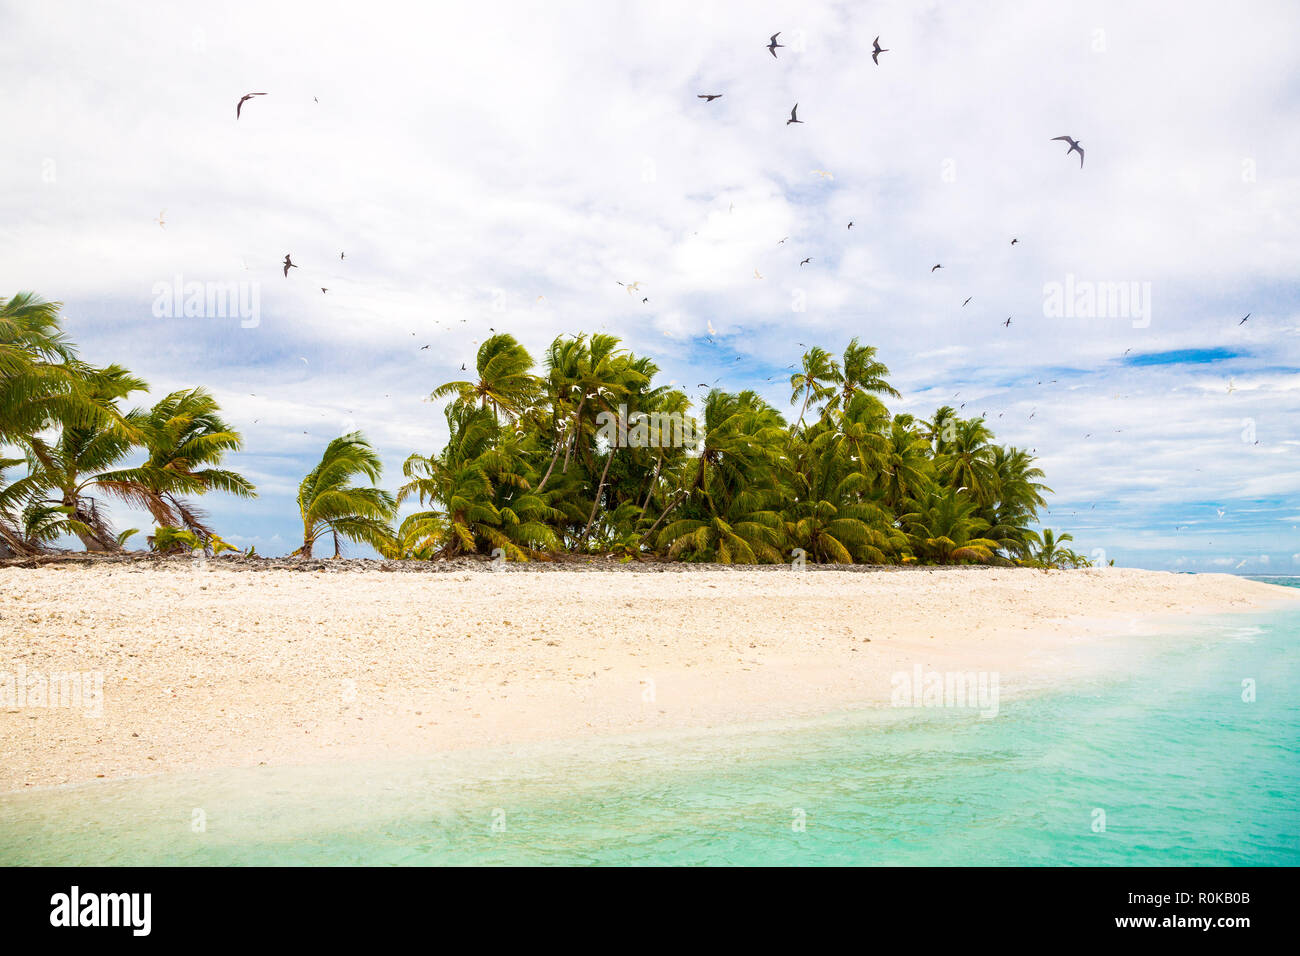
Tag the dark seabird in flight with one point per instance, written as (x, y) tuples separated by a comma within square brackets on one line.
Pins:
[(1074, 147), (1014, 241), (240, 105), (875, 53), (1007, 323), (793, 118), (288, 264), (708, 97), (967, 302), (936, 266), (1243, 321), (772, 47), (850, 225), (805, 262)]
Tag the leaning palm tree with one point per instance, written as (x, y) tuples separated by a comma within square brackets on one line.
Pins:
[(505, 380), (41, 379), (186, 438), (65, 472), (331, 505)]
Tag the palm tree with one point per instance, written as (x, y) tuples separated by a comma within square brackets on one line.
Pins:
[(906, 468), (62, 472), (816, 380), (1018, 497), (944, 528), (967, 460), (747, 533), (505, 380), (941, 428), (329, 503), (41, 379), (1051, 554), (481, 483), (861, 372), (185, 437)]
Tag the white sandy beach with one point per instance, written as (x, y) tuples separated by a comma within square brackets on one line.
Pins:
[(219, 667)]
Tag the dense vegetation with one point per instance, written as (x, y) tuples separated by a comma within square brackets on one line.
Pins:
[(585, 454)]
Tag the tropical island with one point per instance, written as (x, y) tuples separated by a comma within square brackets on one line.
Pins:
[(582, 455)]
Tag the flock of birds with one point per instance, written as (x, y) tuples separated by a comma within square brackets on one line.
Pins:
[(634, 288)]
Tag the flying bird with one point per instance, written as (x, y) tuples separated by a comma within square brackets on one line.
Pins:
[(163, 223), (288, 264), (630, 286), (1242, 322), (340, 255), (805, 262), (823, 174), (793, 118), (936, 266), (423, 347), (1231, 387), (781, 241), (757, 274), (708, 97), (968, 298), (850, 224), (876, 51), (1014, 241), (1074, 147), (240, 105), (1007, 323), (773, 46), (323, 290)]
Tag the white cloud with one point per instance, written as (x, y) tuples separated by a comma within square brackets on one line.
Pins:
[(471, 159)]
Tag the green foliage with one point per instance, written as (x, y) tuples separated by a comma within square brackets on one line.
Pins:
[(538, 461)]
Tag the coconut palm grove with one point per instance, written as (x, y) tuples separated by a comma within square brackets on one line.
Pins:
[(581, 454)]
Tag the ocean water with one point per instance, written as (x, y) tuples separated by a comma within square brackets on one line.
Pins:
[(1162, 764)]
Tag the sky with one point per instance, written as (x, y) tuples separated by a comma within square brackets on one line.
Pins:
[(504, 166)]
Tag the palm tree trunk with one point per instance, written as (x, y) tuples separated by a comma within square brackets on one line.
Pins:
[(577, 427), (653, 478), (546, 477), (681, 496), (596, 504), (337, 551), (807, 394)]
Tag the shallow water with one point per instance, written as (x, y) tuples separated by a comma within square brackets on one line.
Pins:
[(1185, 771)]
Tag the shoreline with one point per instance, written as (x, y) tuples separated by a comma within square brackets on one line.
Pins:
[(209, 668)]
